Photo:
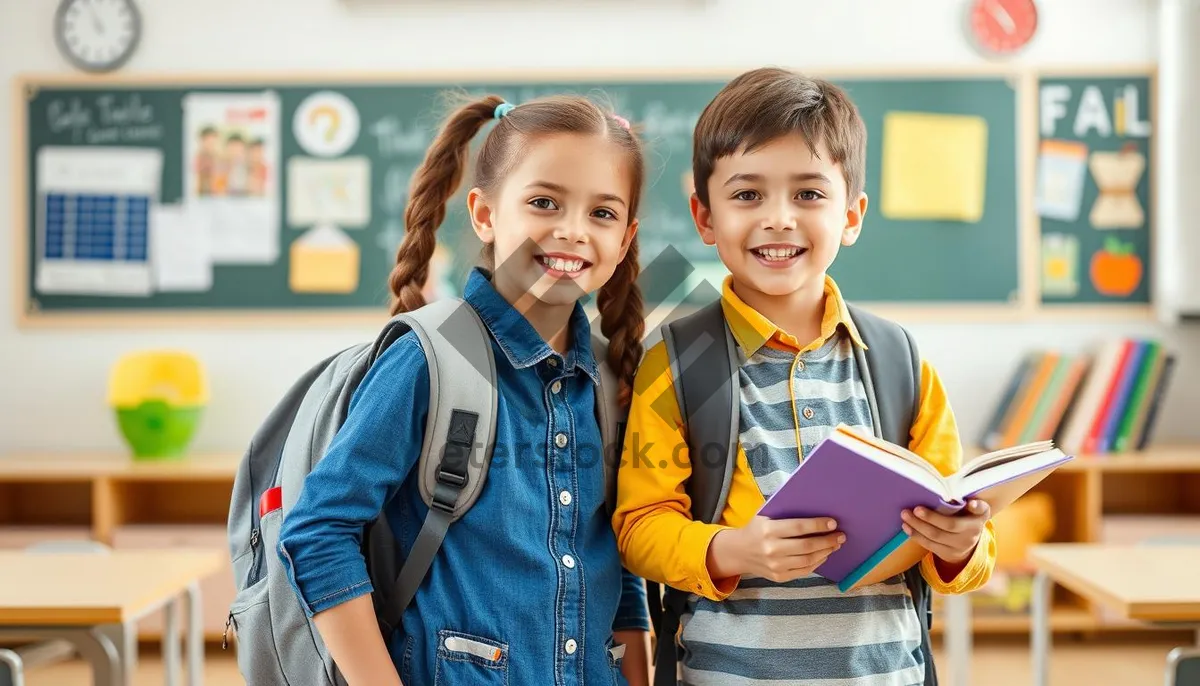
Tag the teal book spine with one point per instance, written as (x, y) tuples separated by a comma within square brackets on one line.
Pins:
[(870, 563)]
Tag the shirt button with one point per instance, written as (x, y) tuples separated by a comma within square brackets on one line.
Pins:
[(808, 413), (560, 440), (570, 646), (800, 365), (556, 387), (568, 562), (552, 361), (564, 498)]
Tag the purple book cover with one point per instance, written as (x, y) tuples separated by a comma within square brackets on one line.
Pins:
[(862, 496)]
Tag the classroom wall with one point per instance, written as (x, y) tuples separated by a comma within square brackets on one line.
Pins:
[(52, 382)]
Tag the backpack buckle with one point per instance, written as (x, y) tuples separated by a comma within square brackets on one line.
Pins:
[(451, 479)]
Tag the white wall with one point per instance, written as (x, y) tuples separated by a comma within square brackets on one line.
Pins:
[(52, 383)]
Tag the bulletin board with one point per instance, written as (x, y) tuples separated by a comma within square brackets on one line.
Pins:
[(267, 198), (1094, 196)]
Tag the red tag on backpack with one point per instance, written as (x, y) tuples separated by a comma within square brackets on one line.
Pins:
[(271, 500)]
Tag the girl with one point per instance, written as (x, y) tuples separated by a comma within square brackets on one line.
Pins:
[(527, 587)]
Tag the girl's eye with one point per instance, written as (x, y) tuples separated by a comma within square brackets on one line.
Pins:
[(810, 195), (746, 196), (605, 213), (543, 203)]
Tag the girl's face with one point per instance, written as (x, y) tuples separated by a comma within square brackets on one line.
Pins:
[(559, 222)]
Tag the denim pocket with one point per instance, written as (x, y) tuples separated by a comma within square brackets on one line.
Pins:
[(616, 651), (466, 659)]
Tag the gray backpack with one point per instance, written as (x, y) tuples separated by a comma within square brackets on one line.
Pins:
[(276, 642), (704, 370)]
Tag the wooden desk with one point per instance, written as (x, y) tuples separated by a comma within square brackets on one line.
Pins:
[(1147, 583), (81, 597)]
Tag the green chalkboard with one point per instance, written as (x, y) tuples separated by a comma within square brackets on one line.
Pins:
[(1094, 198), (905, 261)]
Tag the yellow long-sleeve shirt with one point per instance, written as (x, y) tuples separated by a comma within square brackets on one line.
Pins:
[(656, 535)]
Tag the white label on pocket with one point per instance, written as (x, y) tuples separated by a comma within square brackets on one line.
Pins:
[(479, 650), (617, 651)]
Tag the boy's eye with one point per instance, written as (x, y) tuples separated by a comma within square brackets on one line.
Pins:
[(810, 195), (543, 203), (746, 196)]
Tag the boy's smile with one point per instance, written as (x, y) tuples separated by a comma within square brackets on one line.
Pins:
[(778, 214)]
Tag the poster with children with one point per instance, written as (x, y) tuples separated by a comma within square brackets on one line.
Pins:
[(231, 173)]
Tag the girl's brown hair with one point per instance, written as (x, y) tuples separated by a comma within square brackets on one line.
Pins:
[(436, 180)]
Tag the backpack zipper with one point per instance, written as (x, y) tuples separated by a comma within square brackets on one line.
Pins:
[(225, 633), (255, 572)]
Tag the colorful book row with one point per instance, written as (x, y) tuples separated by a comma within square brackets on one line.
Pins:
[(1098, 402)]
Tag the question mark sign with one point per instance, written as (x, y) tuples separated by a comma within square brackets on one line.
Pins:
[(329, 114)]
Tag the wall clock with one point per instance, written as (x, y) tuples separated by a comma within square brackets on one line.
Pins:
[(97, 35), (1001, 27)]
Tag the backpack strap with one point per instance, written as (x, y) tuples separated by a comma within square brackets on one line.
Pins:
[(460, 429), (704, 371), (891, 372), (612, 420), (704, 374)]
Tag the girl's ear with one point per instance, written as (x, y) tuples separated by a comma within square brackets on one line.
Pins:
[(481, 215), (630, 232), (703, 218)]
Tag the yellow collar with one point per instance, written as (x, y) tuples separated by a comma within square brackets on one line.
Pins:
[(752, 330)]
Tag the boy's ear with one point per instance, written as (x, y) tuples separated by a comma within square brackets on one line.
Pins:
[(854, 219), (481, 215), (703, 218)]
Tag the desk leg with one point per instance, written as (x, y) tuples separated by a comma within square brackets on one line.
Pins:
[(99, 650), (195, 636), (959, 638), (15, 667), (125, 638), (1040, 628), (170, 642)]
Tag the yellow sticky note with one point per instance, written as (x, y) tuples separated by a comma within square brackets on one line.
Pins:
[(324, 260), (934, 166)]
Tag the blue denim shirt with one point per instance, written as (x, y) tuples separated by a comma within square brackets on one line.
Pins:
[(528, 585)]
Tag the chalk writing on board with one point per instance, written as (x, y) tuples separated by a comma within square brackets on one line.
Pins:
[(674, 127), (395, 138), (1092, 112), (108, 119)]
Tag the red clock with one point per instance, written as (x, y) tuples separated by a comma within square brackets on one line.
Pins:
[(1002, 27)]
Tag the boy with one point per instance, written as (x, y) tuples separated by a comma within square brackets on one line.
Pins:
[(779, 161)]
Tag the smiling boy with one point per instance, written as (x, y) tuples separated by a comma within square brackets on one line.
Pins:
[(779, 165)]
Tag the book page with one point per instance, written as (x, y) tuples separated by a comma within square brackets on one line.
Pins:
[(892, 449), (999, 457), (966, 484), (918, 470)]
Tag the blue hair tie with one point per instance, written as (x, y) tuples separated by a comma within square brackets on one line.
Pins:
[(503, 109)]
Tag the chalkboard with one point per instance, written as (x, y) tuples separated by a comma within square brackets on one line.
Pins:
[(1094, 199), (272, 248)]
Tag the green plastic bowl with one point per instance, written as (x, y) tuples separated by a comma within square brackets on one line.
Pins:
[(157, 430)]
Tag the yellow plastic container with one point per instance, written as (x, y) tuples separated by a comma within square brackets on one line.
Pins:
[(159, 397)]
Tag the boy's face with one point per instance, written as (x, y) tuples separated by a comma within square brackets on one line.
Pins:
[(778, 215)]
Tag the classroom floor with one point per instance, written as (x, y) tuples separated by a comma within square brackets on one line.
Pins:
[(996, 662)]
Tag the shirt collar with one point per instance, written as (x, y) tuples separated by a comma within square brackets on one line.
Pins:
[(521, 343), (752, 330)]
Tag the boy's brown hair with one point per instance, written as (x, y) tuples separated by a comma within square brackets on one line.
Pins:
[(764, 104)]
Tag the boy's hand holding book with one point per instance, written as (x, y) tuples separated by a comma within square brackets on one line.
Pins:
[(777, 550), (951, 538)]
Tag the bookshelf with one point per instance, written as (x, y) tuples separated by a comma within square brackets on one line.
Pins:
[(1161, 482), (119, 502)]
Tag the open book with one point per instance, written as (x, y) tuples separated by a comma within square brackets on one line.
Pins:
[(864, 483)]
